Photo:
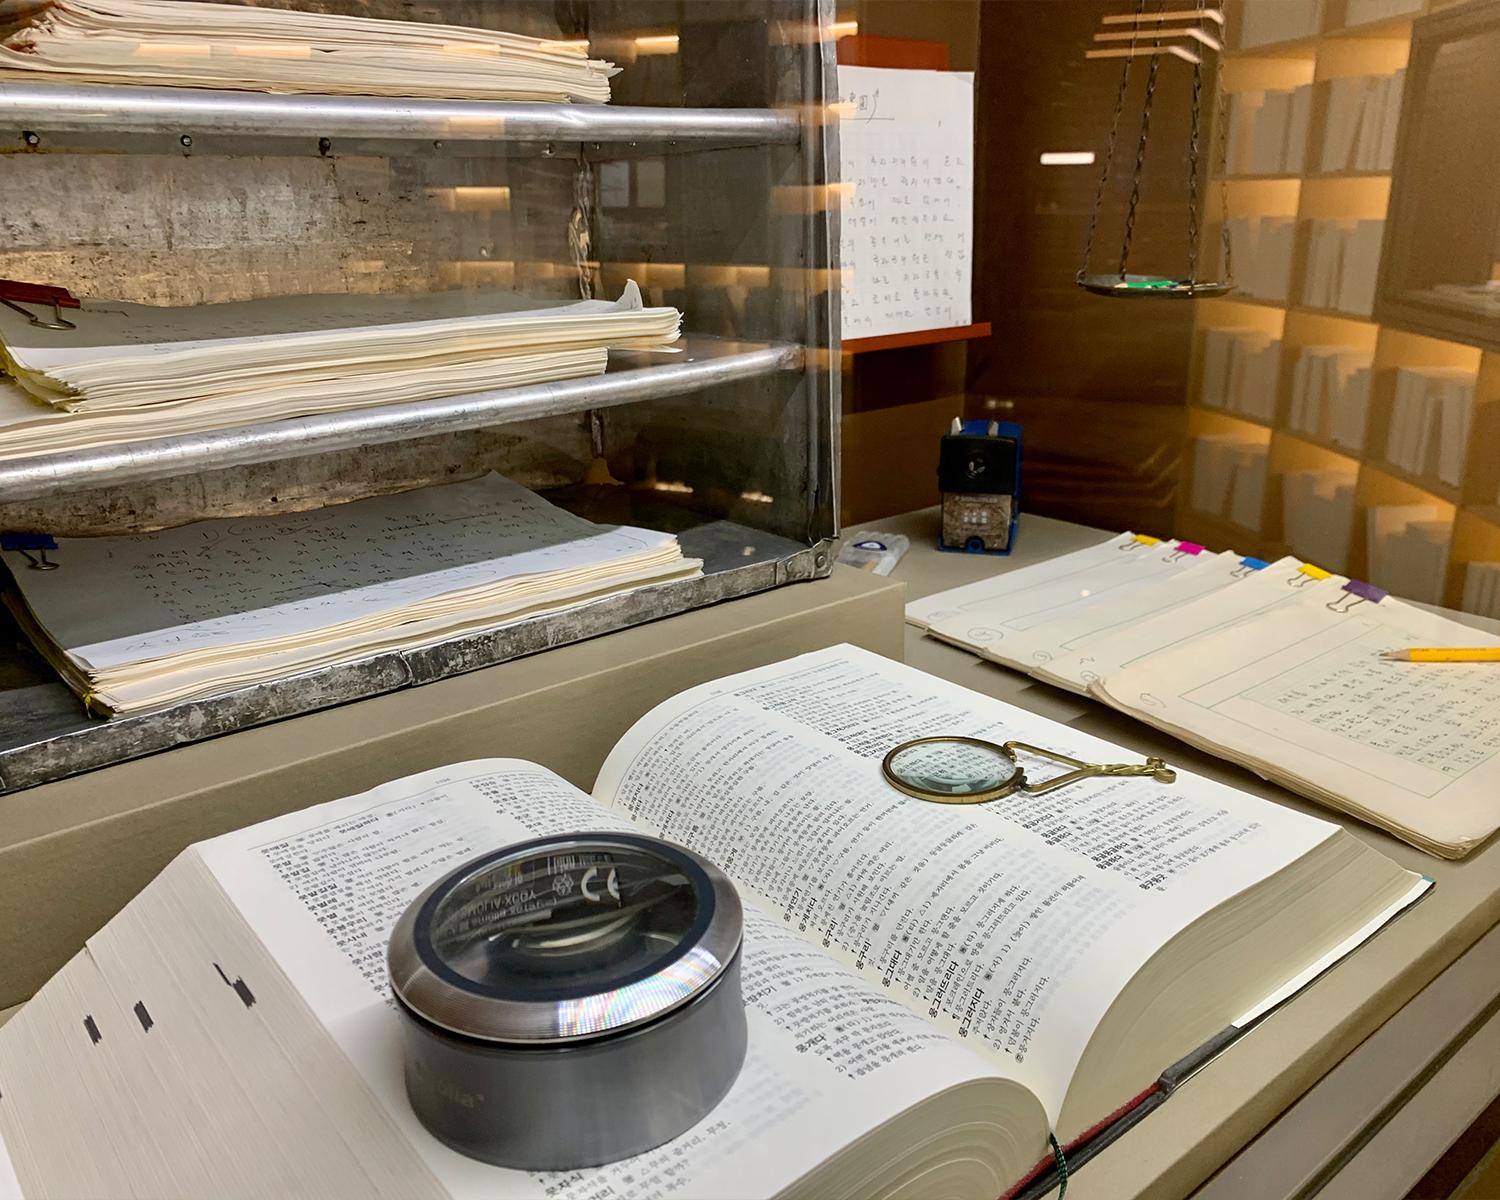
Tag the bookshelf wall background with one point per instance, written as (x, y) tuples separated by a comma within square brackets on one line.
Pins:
[(1276, 46)]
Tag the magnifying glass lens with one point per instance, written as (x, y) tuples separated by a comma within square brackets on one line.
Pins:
[(951, 767)]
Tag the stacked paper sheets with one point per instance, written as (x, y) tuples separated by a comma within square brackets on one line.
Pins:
[(139, 622), (179, 43), (132, 371)]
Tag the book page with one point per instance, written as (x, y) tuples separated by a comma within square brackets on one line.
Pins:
[(1302, 692), (223, 583), (1010, 925), (322, 889)]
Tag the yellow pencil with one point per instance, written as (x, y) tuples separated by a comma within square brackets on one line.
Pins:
[(1444, 654)]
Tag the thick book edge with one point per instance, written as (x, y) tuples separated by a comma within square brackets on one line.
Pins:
[(1043, 1178)]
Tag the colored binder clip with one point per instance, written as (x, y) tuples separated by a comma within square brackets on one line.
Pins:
[(1356, 591), (25, 543), (14, 293)]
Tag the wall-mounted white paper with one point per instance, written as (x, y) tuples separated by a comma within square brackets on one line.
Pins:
[(906, 152)]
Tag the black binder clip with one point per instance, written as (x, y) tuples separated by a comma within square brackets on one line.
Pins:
[(24, 543), (14, 293)]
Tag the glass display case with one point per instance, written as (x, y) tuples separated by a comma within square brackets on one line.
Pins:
[(706, 180)]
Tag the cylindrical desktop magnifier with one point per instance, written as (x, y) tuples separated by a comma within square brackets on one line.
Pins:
[(570, 1001)]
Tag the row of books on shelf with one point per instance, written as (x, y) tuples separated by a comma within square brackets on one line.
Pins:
[(1268, 130), (1431, 416), (1407, 544), (1359, 130), (1330, 395), (1408, 549), (1262, 253), (1229, 482), (1330, 398), (1482, 588), (1343, 260), (1317, 514), (1267, 133), (1240, 369), (1265, 22), (1229, 478)]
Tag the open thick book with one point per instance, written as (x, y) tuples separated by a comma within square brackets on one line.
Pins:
[(931, 989)]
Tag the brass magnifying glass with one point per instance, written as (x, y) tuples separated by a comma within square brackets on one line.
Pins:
[(966, 770)]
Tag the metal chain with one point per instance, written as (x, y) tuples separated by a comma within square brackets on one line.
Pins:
[(1109, 154), (581, 226), (1140, 160), (1221, 115), (1192, 277)]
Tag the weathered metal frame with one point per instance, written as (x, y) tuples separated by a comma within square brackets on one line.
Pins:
[(43, 733), (48, 108)]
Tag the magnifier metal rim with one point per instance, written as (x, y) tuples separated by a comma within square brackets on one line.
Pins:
[(437, 994), (1015, 781)]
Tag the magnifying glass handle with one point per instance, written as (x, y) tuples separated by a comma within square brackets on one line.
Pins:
[(1154, 767)]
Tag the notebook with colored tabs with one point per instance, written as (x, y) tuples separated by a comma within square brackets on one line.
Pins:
[(1301, 693), (1281, 667)]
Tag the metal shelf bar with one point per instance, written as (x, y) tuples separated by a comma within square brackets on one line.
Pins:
[(93, 107), (703, 362)]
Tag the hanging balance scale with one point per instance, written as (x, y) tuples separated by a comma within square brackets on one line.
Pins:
[(1185, 35)]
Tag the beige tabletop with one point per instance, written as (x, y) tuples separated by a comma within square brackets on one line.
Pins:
[(1241, 1093)]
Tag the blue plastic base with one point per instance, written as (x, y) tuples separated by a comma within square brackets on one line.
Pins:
[(975, 546)]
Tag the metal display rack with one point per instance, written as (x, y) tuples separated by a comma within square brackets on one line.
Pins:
[(703, 184)]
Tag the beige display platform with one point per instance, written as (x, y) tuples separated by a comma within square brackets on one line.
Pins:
[(1358, 1084), (73, 852)]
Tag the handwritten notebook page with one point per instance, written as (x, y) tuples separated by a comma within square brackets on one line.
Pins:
[(987, 620), (220, 585), (906, 155), (1281, 582), (1010, 580), (1071, 624), (1301, 695)]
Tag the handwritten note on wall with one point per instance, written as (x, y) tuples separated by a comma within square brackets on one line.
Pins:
[(906, 146)]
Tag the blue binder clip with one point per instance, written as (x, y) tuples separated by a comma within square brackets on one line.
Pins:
[(25, 543)]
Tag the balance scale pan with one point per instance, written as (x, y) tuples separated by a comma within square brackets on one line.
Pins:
[(1140, 287)]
